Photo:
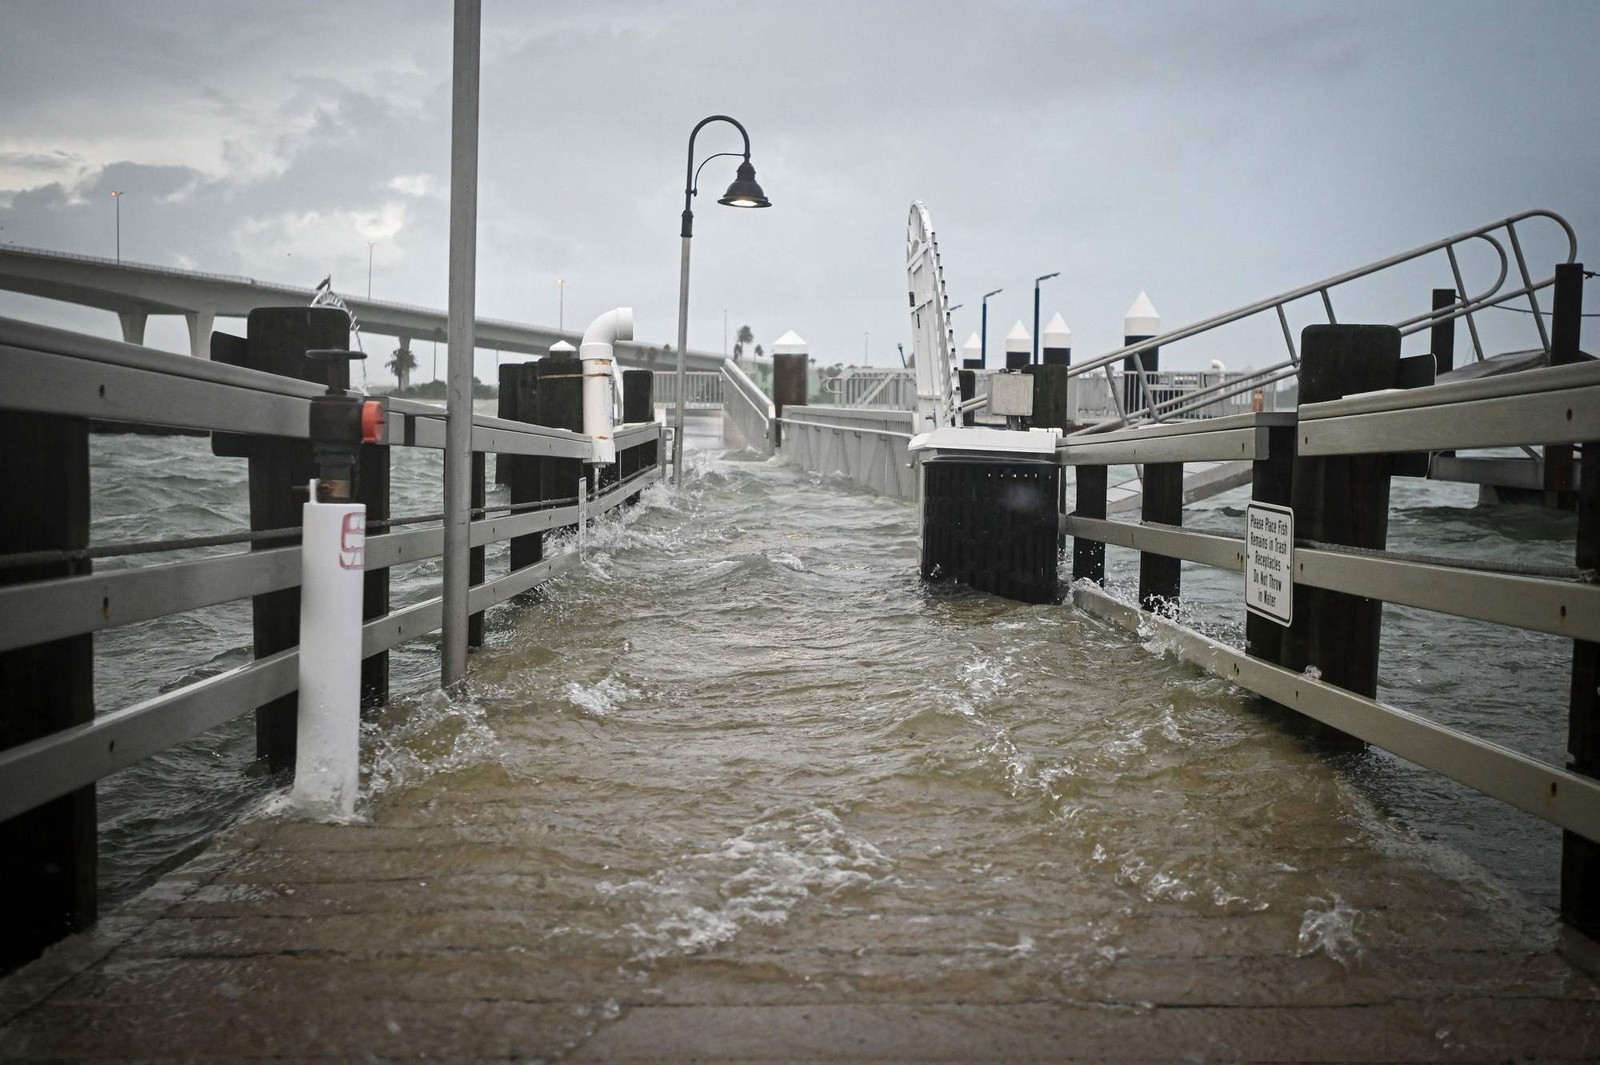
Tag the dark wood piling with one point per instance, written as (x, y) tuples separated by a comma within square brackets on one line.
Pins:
[(1161, 501), (48, 888), (1271, 481), (1580, 856), (638, 406), (1089, 556), (969, 390), (1566, 324), (521, 471), (560, 402), (791, 378), (1344, 500), (276, 341)]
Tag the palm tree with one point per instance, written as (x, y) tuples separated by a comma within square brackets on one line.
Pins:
[(743, 337), (758, 351), (402, 364)]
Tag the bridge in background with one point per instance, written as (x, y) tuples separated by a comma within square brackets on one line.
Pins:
[(135, 291)]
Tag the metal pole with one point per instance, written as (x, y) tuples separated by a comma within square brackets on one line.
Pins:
[(462, 342), (117, 199), (983, 340), (370, 246), (683, 343), (1034, 358), (561, 307)]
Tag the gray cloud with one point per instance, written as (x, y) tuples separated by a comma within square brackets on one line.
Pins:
[(1208, 154)]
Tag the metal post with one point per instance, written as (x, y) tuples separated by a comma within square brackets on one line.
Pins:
[(983, 331), (117, 198), (683, 343), (1041, 277), (462, 339), (1565, 329), (1580, 856)]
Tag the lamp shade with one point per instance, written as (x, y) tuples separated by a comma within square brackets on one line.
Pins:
[(744, 192)]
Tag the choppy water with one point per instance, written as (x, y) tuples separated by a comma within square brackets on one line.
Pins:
[(745, 706)]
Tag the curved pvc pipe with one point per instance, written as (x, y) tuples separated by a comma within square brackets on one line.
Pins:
[(599, 361)]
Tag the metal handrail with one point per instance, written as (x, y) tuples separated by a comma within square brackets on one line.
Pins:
[(1464, 307)]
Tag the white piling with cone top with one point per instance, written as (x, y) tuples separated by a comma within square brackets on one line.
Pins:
[(1019, 347), (1055, 343), (1140, 323)]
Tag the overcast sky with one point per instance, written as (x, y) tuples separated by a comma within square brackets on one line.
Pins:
[(1208, 153)]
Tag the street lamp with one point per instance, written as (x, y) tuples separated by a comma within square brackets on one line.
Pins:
[(370, 245), (561, 306), (744, 192), (1042, 277), (117, 196), (983, 342)]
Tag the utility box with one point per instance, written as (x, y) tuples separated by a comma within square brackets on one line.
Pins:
[(990, 510), (1011, 395)]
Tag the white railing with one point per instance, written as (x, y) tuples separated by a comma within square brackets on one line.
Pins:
[(747, 409), (702, 389), (866, 446)]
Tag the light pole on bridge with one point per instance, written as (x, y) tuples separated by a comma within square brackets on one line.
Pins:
[(1043, 277), (370, 245), (744, 192), (117, 198), (983, 341)]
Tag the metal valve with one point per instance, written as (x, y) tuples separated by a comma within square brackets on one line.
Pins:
[(336, 429)]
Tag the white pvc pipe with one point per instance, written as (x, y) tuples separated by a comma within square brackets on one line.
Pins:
[(332, 562), (598, 362)]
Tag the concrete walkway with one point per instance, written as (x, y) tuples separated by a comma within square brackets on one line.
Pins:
[(422, 936)]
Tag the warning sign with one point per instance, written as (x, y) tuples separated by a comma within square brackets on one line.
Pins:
[(1269, 561)]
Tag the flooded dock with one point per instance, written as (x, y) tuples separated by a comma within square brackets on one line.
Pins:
[(742, 788)]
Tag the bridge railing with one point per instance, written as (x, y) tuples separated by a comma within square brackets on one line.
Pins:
[(1315, 663), (894, 388), (747, 408), (52, 600), (702, 389)]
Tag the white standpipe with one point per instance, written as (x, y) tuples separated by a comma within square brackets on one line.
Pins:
[(598, 360), (332, 560)]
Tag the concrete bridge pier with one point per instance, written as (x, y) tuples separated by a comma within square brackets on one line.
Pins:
[(133, 326), (200, 323)]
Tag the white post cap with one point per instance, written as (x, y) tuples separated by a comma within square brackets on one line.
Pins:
[(973, 348), (1141, 319), (1056, 334), (561, 347), (791, 343), (1019, 339)]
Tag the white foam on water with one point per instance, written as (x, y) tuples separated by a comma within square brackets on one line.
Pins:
[(758, 877), (1332, 931), (419, 736), (600, 699)]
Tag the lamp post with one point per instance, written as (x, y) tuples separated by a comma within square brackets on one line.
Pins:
[(117, 197), (370, 245), (744, 192), (1034, 358), (983, 336), (561, 304)]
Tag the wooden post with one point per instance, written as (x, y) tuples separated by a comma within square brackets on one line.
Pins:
[(522, 471), (1140, 323), (373, 489), (1442, 335), (1049, 395), (276, 341), (506, 407), (1019, 347), (969, 389), (48, 888), (1341, 500), (1089, 556), (560, 399), (1055, 343), (1160, 500), (791, 378), (1271, 481), (1580, 856), (638, 405), (475, 555), (1566, 323)]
